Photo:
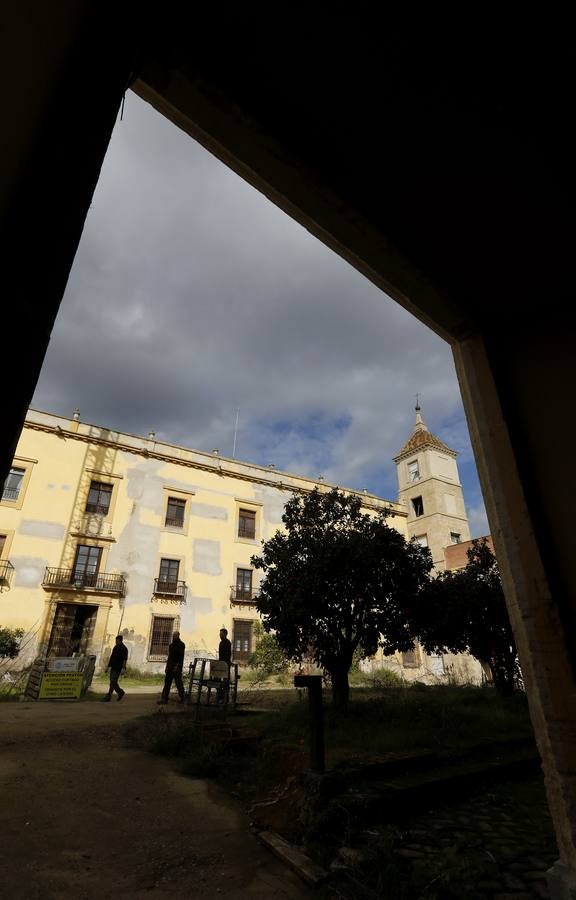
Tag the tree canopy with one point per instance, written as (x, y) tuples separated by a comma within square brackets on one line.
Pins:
[(465, 610), (338, 579), (10, 639)]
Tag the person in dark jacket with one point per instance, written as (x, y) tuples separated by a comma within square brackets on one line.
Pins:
[(117, 665), (224, 647), (224, 655), (174, 666)]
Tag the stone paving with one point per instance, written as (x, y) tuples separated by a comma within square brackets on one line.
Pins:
[(496, 844)]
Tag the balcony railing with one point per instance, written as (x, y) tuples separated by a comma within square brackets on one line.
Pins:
[(10, 493), (175, 521), (69, 579), (98, 509), (6, 572), (243, 596), (165, 587)]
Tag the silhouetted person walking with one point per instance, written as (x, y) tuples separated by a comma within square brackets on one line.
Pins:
[(117, 665), (174, 666), (224, 655), (224, 647)]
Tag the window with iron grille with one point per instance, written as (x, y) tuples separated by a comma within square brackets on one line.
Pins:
[(13, 484), (175, 512), (168, 575), (244, 584), (247, 524), (99, 497), (242, 640), (163, 628)]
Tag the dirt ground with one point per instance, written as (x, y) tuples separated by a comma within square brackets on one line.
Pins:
[(83, 816)]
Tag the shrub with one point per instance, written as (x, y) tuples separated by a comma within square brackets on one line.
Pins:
[(268, 658), (386, 678), (10, 639)]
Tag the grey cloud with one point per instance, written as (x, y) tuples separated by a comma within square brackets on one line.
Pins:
[(191, 294)]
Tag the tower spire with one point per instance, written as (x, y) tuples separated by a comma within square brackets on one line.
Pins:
[(420, 426)]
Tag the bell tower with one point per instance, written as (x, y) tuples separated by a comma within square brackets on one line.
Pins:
[(429, 486)]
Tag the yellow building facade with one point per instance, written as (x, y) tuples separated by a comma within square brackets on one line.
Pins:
[(104, 532)]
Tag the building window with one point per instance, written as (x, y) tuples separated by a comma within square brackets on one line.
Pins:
[(3, 538), (418, 506), (161, 636), (13, 484), (455, 537), (421, 539), (86, 565), (247, 524), (99, 497), (168, 576), (242, 640), (436, 664), (175, 512), (413, 471), (411, 659), (244, 584)]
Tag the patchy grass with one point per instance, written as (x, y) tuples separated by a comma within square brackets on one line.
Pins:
[(132, 678), (269, 741), (8, 694), (396, 719), (258, 752), (12, 685)]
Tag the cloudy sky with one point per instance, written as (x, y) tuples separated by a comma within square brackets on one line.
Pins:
[(192, 296)]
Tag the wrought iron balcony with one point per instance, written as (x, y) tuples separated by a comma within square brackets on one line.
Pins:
[(71, 580), (10, 493), (247, 531), (98, 509), (166, 587), (174, 521), (6, 572), (242, 596)]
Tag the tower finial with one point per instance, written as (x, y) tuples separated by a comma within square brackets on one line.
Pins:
[(419, 420)]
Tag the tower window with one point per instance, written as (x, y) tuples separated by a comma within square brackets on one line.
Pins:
[(455, 537), (413, 470), (421, 539), (418, 506)]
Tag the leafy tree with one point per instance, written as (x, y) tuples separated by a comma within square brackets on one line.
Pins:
[(465, 610), (10, 642), (268, 657), (338, 581)]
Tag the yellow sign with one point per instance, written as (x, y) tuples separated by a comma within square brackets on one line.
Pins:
[(60, 686)]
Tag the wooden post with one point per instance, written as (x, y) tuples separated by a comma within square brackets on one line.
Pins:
[(314, 685)]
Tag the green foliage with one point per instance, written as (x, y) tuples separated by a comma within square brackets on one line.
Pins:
[(10, 639), (377, 679), (268, 658), (145, 677), (338, 582), (465, 610), (383, 678)]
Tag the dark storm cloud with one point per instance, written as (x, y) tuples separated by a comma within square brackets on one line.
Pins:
[(192, 295)]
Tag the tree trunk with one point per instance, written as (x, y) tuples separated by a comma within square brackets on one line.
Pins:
[(340, 687)]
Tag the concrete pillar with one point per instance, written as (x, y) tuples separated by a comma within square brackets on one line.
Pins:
[(540, 602), (66, 67)]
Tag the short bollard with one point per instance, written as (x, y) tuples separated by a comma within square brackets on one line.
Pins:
[(314, 685)]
